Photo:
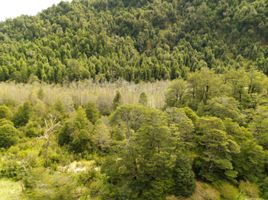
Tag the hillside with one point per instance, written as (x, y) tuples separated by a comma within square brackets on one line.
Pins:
[(134, 40)]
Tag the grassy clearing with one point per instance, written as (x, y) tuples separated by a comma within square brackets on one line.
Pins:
[(10, 190)]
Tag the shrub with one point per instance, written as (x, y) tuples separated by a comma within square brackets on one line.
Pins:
[(204, 191), (9, 135), (92, 112), (143, 99), (5, 112), (117, 101), (249, 189), (23, 115), (228, 191), (105, 106), (33, 129), (42, 184)]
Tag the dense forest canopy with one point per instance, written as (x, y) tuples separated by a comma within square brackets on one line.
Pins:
[(134, 40)]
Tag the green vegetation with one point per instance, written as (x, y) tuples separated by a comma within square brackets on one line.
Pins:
[(134, 40), (201, 141), (10, 190), (135, 100)]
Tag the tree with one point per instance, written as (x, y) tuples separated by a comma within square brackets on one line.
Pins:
[(204, 85), (215, 150), (143, 100), (92, 113), (142, 169), (5, 112), (23, 114), (259, 126), (176, 93), (224, 107), (76, 133), (9, 135), (181, 126), (184, 182), (102, 137)]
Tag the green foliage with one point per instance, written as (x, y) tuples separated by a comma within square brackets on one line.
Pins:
[(249, 189), (143, 99), (117, 101), (144, 40), (5, 112), (33, 129), (176, 93), (259, 126), (224, 107), (77, 133), (183, 177), (23, 114), (92, 113), (228, 191), (102, 137), (42, 184), (147, 166), (216, 150), (9, 135)]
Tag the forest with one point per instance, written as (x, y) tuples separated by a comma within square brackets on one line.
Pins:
[(136, 40), (135, 100)]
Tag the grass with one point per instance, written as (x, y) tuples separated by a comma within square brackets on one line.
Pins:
[(10, 190)]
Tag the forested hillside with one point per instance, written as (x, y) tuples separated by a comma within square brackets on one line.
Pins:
[(134, 40)]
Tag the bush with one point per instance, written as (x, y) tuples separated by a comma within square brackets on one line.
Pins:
[(205, 191), (42, 184), (9, 135), (228, 191), (23, 115), (105, 106), (143, 99), (117, 101), (92, 112), (33, 129), (12, 169), (5, 112), (249, 189)]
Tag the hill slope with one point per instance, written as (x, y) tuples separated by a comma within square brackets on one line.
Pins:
[(134, 39)]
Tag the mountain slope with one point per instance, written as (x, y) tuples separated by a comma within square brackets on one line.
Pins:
[(134, 40)]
